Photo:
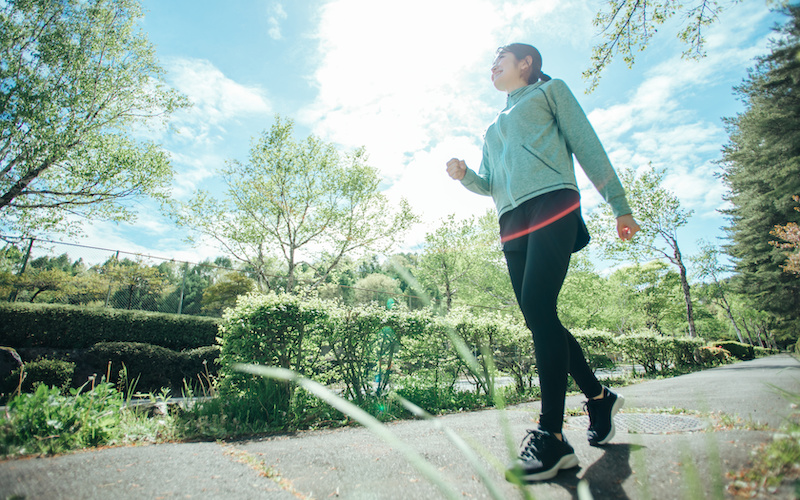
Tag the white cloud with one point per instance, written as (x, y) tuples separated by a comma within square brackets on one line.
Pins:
[(431, 193), (414, 90), (276, 15), (194, 169), (660, 121), (216, 98), (410, 81)]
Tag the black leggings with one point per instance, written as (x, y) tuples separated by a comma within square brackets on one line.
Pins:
[(537, 272)]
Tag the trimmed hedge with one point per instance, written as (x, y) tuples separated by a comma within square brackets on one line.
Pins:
[(153, 365), (737, 349), (68, 327), (50, 372)]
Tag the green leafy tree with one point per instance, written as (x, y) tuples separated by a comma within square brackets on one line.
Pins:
[(488, 283), (463, 260), (649, 298), (584, 301), (138, 285), (188, 283), (58, 279), (790, 234), (222, 294), (10, 263), (301, 201), (660, 215), (402, 267), (39, 280), (627, 27), (76, 77), (717, 288), (447, 257), (761, 168), (376, 287)]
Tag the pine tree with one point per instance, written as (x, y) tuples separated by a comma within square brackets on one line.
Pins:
[(761, 167)]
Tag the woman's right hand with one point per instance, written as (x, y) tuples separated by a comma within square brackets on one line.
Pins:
[(456, 169)]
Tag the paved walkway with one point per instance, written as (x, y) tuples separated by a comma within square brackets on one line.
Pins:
[(351, 463)]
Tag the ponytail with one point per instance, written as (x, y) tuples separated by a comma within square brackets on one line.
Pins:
[(523, 50)]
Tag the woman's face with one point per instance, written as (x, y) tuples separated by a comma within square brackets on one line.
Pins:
[(507, 72)]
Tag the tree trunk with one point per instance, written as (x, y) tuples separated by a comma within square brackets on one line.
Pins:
[(747, 331), (448, 294), (290, 272), (727, 307), (758, 336), (686, 292)]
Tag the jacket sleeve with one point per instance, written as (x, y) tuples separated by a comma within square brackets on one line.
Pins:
[(479, 183), (585, 145)]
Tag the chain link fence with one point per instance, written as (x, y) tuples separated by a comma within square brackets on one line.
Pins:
[(44, 271), (37, 270)]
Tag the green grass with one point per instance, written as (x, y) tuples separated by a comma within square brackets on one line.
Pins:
[(776, 464)]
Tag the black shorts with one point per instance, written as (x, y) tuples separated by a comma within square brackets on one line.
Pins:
[(539, 212)]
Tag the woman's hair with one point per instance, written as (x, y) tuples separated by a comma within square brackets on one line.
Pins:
[(523, 50)]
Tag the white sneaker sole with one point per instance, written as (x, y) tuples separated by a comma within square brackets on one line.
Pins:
[(566, 462), (619, 403)]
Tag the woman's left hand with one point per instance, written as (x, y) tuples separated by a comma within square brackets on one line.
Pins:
[(626, 226)]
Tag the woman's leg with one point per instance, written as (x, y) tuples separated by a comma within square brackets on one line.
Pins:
[(537, 273)]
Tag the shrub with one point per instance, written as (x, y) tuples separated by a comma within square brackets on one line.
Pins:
[(270, 330), (66, 326), (760, 352), (50, 372), (599, 348), (599, 362), (509, 343), (437, 400), (712, 356), (737, 349), (683, 349), (646, 349), (154, 366), (49, 422), (200, 361)]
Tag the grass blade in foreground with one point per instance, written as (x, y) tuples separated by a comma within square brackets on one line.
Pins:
[(362, 417), (462, 445)]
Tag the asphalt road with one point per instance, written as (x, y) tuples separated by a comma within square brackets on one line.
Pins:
[(352, 463)]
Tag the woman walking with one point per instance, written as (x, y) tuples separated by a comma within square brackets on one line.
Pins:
[(527, 168)]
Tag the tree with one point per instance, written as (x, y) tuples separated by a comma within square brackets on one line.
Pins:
[(646, 296), (76, 77), (660, 214), (139, 284), (790, 234), (488, 284), (299, 200), (222, 294), (376, 287), (627, 26), (584, 300), (761, 168), (717, 290), (402, 267), (451, 256)]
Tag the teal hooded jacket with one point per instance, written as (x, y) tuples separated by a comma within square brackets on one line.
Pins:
[(528, 150)]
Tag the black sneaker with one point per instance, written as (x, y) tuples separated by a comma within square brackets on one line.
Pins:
[(601, 416), (542, 457)]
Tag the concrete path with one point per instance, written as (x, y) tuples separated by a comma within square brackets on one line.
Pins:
[(352, 463)]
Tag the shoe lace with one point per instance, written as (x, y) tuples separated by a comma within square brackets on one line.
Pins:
[(535, 439), (589, 407)]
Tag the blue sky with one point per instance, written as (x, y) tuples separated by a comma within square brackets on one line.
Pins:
[(410, 82)]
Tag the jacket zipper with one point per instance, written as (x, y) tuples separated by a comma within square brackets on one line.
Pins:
[(504, 165)]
